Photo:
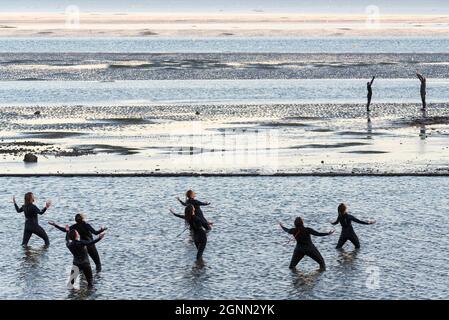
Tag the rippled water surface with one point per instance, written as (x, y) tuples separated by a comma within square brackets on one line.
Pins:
[(215, 91), (234, 44), (247, 254)]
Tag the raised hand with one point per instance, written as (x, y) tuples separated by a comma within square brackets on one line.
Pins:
[(48, 204), (14, 199)]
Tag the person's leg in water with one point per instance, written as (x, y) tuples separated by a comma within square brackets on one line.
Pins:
[(341, 241), (355, 240), (296, 258), (26, 237), (317, 257), (87, 271), (369, 102), (423, 99), (200, 245), (40, 232), (93, 254)]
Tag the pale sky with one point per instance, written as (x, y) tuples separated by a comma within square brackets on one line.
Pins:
[(306, 6)]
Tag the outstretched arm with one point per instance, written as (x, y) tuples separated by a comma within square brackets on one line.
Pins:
[(177, 215), (420, 77), (182, 202), (52, 223), (319, 234), (199, 203), (90, 242), (16, 206), (93, 231), (372, 80), (290, 231), (336, 221), (354, 219)]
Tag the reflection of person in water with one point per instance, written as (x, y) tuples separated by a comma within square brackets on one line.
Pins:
[(422, 129), (369, 127), (423, 89), (370, 93)]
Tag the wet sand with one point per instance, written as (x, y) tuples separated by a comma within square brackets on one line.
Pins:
[(226, 139), (219, 24)]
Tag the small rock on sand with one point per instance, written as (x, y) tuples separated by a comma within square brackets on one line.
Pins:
[(29, 157)]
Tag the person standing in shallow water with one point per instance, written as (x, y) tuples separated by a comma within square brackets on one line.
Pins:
[(78, 248), (86, 232), (190, 200), (347, 232), (198, 227), (31, 212), (370, 93), (423, 89), (304, 244)]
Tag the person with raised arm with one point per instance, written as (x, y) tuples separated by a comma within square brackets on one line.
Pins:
[(191, 200), (304, 244), (198, 227), (423, 89), (78, 248), (32, 212), (370, 93), (347, 232), (86, 232)]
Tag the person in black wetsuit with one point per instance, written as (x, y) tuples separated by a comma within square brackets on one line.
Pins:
[(347, 232), (86, 232), (422, 89), (304, 244), (31, 218), (370, 93), (78, 248), (198, 227), (190, 200)]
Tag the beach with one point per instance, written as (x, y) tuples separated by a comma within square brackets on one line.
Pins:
[(207, 24), (262, 114), (173, 112)]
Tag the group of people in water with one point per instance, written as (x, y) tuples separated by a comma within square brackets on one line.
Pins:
[(79, 236), (423, 91), (81, 242), (199, 226)]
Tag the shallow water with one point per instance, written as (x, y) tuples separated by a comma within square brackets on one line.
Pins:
[(147, 92), (232, 44), (403, 256)]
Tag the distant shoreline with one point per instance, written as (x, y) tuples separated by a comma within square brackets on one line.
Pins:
[(218, 25)]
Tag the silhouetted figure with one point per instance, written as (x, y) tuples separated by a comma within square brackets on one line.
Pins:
[(370, 92), (423, 89)]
